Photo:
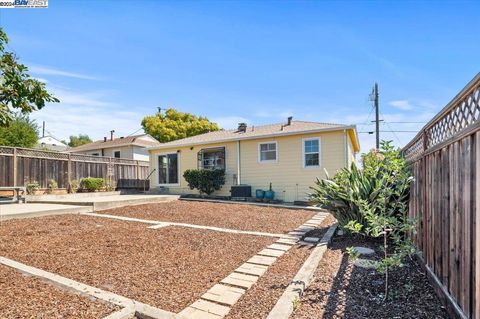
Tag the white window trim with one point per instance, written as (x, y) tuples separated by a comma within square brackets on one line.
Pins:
[(178, 168), (260, 154), (319, 153), (113, 153), (213, 147)]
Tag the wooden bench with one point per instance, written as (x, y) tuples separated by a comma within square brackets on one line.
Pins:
[(19, 194)]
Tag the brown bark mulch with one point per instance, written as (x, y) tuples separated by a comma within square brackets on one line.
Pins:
[(341, 290), (28, 297), (235, 216), (262, 297), (168, 268)]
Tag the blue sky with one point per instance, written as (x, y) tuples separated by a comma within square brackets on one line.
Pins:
[(113, 62)]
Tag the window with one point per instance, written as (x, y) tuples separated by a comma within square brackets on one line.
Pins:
[(267, 152), (168, 169), (311, 152), (116, 154), (211, 158)]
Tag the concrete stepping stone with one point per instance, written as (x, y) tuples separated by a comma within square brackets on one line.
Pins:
[(203, 309), (240, 280), (252, 269), (279, 247), (223, 294), (262, 260), (287, 241), (271, 252), (297, 233), (366, 263), (364, 250)]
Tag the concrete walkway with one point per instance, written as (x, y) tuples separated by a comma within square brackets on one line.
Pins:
[(11, 211), (107, 202)]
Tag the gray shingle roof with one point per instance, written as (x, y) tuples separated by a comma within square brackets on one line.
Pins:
[(116, 142), (253, 132)]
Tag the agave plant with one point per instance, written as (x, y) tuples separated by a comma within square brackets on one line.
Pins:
[(383, 183)]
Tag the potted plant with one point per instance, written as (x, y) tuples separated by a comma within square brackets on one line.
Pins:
[(52, 186), (270, 194), (260, 193), (33, 188)]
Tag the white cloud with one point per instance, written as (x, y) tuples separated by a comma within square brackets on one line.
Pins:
[(87, 113), (403, 105), (230, 122), (42, 70)]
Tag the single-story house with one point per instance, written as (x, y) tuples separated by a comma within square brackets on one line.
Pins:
[(51, 143), (129, 147), (289, 155)]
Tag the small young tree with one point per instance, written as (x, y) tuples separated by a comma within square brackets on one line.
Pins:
[(206, 181)]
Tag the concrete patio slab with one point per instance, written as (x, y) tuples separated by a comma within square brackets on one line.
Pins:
[(106, 202), (12, 211)]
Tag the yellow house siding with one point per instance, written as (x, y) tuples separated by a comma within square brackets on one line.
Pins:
[(188, 159), (290, 179)]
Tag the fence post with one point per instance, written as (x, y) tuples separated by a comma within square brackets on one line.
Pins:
[(15, 167), (476, 294), (69, 170), (137, 176)]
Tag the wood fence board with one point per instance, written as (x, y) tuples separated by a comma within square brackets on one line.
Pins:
[(41, 166)]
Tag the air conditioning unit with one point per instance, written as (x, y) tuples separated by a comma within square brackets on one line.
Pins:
[(241, 191)]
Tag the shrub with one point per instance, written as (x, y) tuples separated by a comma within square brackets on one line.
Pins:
[(373, 202), (52, 185), (92, 184), (383, 183), (32, 187), (206, 181), (74, 185)]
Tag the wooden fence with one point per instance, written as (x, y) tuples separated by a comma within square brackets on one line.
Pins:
[(20, 166), (445, 159)]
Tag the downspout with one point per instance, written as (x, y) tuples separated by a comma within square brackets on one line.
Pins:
[(239, 179), (345, 142)]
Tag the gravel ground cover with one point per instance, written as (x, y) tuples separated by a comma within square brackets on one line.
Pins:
[(341, 290), (235, 216), (262, 297), (29, 297), (168, 268)]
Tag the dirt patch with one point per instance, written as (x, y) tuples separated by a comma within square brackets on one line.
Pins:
[(28, 297), (341, 290), (235, 216), (262, 297), (168, 268)]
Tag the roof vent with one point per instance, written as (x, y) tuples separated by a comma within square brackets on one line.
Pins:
[(104, 138), (289, 120), (242, 127)]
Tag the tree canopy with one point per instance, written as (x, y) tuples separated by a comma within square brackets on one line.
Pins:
[(19, 132), (18, 91), (79, 140), (174, 125)]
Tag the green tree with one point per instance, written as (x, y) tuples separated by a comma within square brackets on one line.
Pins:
[(18, 91), (19, 132), (174, 125), (79, 140)]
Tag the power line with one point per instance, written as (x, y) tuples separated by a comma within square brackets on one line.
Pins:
[(397, 123), (394, 134), (372, 132)]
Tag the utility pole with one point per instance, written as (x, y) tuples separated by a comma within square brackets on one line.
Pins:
[(377, 115), (43, 129)]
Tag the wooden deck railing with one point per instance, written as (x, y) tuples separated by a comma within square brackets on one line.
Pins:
[(20, 166), (445, 159)]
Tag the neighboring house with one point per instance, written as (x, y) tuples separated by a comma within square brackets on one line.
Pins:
[(130, 147), (50, 143), (289, 155)]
